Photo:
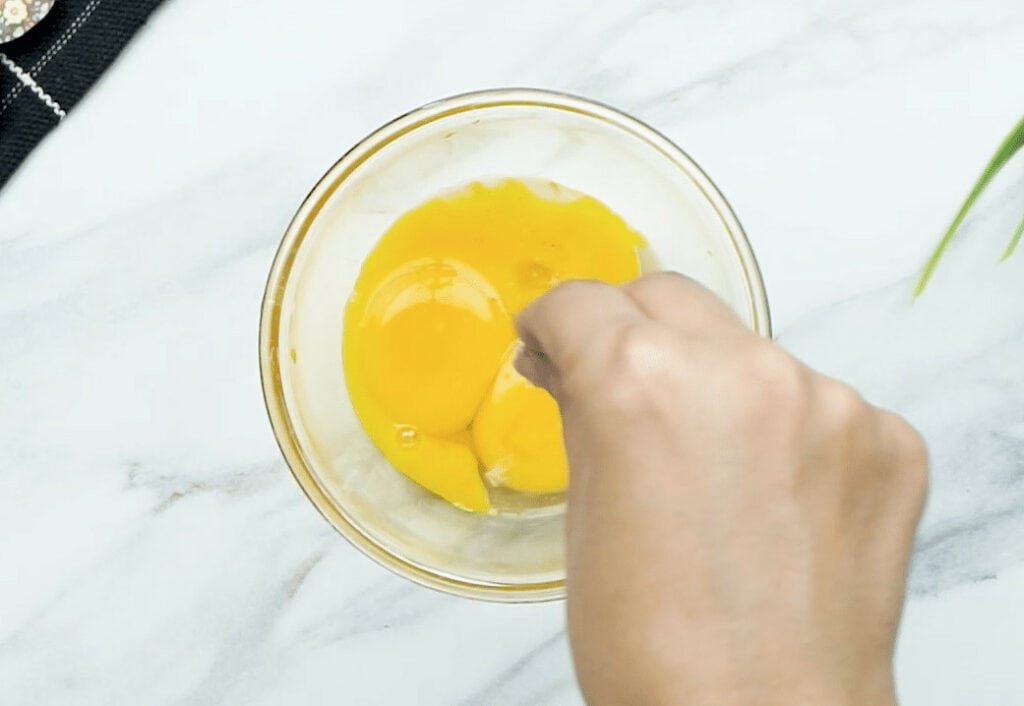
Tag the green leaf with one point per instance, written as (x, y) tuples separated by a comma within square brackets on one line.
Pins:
[(1013, 142), (1013, 241)]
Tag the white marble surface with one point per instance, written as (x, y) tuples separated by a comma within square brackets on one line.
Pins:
[(154, 548)]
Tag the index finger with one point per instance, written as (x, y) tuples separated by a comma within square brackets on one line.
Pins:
[(560, 324)]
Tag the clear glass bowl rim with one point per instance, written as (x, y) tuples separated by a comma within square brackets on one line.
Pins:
[(270, 313)]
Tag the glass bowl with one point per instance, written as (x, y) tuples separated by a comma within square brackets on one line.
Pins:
[(594, 149)]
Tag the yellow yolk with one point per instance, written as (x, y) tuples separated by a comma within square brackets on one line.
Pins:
[(433, 334), (419, 357), (429, 326), (518, 435), (523, 239)]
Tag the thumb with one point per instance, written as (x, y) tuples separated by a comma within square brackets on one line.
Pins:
[(534, 365), (558, 327)]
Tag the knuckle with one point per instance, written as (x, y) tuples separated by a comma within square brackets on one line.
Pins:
[(636, 345), (768, 361), (911, 452), (915, 452), (761, 389), (637, 362), (774, 379), (565, 296), (575, 287), (662, 281), (843, 408)]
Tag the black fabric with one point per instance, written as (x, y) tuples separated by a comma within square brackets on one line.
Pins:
[(64, 55)]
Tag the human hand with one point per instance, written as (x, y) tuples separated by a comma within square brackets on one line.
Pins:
[(738, 526)]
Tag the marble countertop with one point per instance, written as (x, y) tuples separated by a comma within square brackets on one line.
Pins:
[(155, 549)]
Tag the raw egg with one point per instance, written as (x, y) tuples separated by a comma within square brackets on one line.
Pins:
[(429, 339)]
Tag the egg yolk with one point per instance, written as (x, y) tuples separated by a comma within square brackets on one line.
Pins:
[(428, 333), (518, 435), (432, 336)]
